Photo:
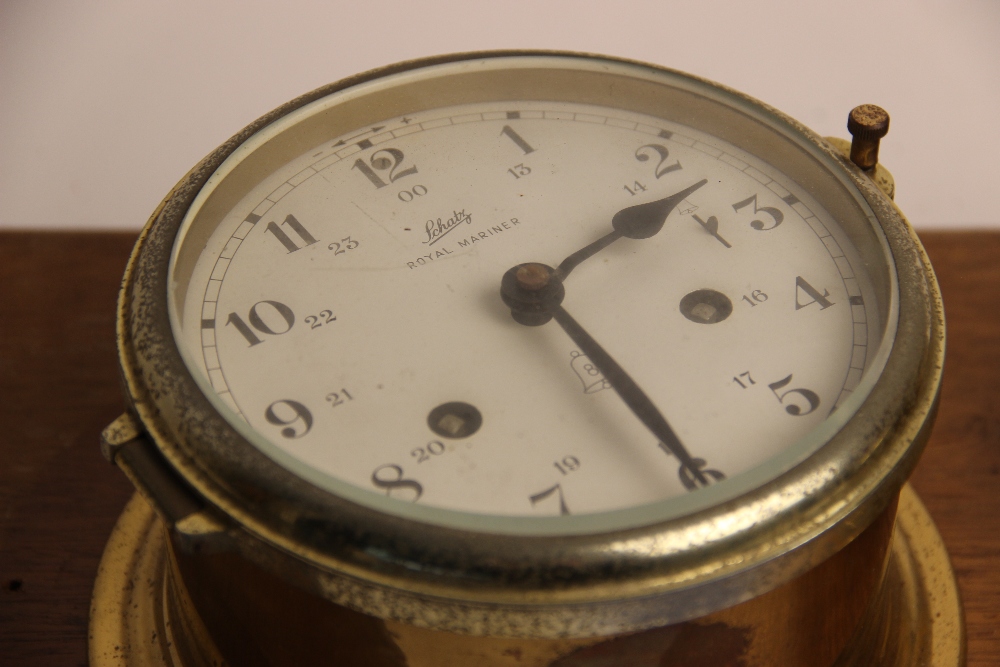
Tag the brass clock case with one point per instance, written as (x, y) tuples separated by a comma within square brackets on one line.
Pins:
[(143, 616), (219, 495)]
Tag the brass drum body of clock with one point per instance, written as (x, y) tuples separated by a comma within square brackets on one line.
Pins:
[(526, 359)]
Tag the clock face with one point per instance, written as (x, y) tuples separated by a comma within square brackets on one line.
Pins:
[(341, 304)]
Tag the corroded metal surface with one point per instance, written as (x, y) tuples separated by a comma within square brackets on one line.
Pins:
[(141, 617), (134, 617), (880, 175), (867, 123)]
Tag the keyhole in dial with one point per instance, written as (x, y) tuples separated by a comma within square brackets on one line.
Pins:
[(455, 419), (706, 306)]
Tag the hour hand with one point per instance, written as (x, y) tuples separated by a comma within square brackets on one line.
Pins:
[(534, 293), (641, 221)]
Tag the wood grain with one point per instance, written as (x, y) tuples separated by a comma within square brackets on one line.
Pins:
[(59, 387), (958, 477)]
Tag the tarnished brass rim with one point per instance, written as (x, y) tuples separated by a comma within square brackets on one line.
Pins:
[(860, 479), (930, 578), (133, 623), (130, 619)]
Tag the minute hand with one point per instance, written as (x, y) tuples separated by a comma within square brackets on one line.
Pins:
[(635, 222), (633, 396)]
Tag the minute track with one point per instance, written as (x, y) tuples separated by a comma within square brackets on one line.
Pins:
[(575, 150), (393, 130)]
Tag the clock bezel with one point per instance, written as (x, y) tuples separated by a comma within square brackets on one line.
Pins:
[(392, 566)]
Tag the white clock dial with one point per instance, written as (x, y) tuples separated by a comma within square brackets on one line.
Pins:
[(348, 308)]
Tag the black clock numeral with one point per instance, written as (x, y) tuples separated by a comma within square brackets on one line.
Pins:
[(517, 139), (242, 327), (297, 227), (642, 155), (386, 159), (542, 495), (802, 286), (260, 324), (692, 480), (390, 478), (794, 409), (776, 215), (277, 414)]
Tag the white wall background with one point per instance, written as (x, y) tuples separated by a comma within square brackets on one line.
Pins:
[(104, 105)]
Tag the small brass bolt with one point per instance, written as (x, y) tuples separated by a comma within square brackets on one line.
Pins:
[(867, 123), (532, 277)]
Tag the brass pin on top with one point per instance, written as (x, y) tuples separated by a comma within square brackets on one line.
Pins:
[(867, 123)]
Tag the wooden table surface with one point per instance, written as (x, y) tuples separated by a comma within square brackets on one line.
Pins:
[(59, 387)]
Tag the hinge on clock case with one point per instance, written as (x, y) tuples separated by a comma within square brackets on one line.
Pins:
[(193, 526)]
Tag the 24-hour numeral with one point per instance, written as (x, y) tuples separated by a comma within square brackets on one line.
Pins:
[(432, 448), (336, 398), (272, 326), (316, 321), (517, 139), (746, 381), (567, 464), (519, 170), (645, 152), (756, 296), (297, 227), (636, 188), (345, 244), (406, 196), (387, 159), (296, 424)]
